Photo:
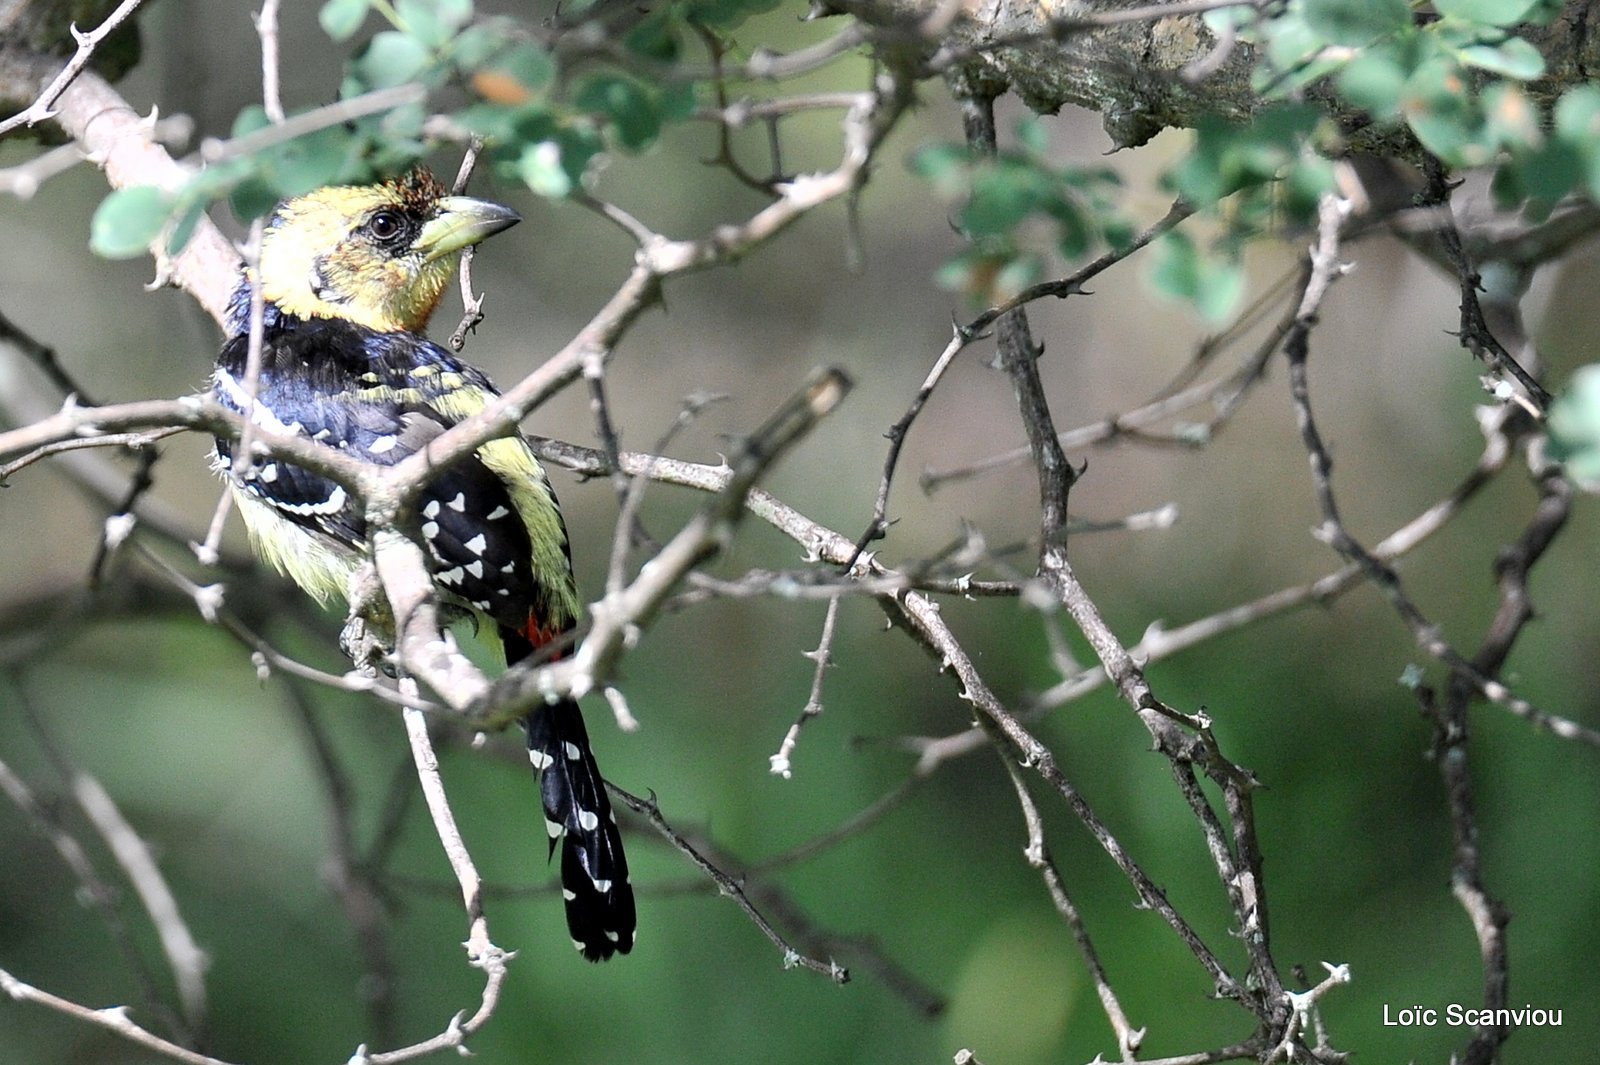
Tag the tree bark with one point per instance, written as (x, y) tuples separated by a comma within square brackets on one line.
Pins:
[(1141, 76)]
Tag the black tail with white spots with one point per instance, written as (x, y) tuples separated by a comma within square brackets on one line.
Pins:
[(594, 871)]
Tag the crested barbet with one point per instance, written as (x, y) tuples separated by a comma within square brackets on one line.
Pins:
[(349, 277)]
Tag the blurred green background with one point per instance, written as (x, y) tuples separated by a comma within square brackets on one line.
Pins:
[(213, 767)]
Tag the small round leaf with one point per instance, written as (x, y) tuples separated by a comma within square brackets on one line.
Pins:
[(128, 221)]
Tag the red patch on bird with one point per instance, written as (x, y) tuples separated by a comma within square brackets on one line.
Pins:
[(540, 635)]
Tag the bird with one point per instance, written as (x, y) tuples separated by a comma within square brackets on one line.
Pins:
[(349, 276)]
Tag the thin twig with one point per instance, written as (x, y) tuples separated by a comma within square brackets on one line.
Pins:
[(95, 892), (267, 30), (822, 659), (111, 1018), (40, 109), (481, 950), (351, 881), (138, 443), (1489, 916), (1475, 335), (472, 304), (1129, 1038), (44, 357), (187, 960), (243, 460), (621, 612), (964, 335), (728, 886), (1337, 535)]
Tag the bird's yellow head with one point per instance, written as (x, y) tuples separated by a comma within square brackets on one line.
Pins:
[(379, 255)]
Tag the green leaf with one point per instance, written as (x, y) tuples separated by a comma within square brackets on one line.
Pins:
[(309, 162), (579, 145), (540, 167), (726, 15), (128, 221), (1487, 12), (678, 103), (1212, 284), (943, 164), (454, 13), (1303, 188), (1117, 232), (1375, 80), (1292, 44), (974, 272), (1577, 115), (433, 22), (531, 65), (626, 104), (1440, 111), (1221, 20), (391, 58), (1354, 23), (1510, 118), (252, 198), (1513, 58), (1016, 275), (476, 45), (1574, 427), (1577, 127), (492, 122), (1228, 157), (1533, 181), (1032, 135), (341, 19), (1001, 198), (184, 228), (251, 118), (421, 23), (658, 35)]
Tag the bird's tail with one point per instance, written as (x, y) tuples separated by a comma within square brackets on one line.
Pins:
[(594, 871)]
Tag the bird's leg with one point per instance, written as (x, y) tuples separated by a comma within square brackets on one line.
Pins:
[(368, 635)]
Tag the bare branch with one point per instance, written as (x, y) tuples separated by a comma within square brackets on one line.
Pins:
[(822, 657), (41, 109), (621, 612), (111, 1018), (730, 887), (481, 951), (267, 29)]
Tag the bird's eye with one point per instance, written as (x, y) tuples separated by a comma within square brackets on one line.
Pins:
[(385, 226)]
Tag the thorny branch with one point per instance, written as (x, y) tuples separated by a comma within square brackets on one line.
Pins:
[(731, 887), (41, 110), (1325, 268), (1186, 740), (1489, 916)]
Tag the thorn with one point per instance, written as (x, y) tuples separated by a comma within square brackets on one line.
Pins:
[(209, 600)]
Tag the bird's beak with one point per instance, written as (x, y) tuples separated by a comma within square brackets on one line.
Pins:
[(462, 221)]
